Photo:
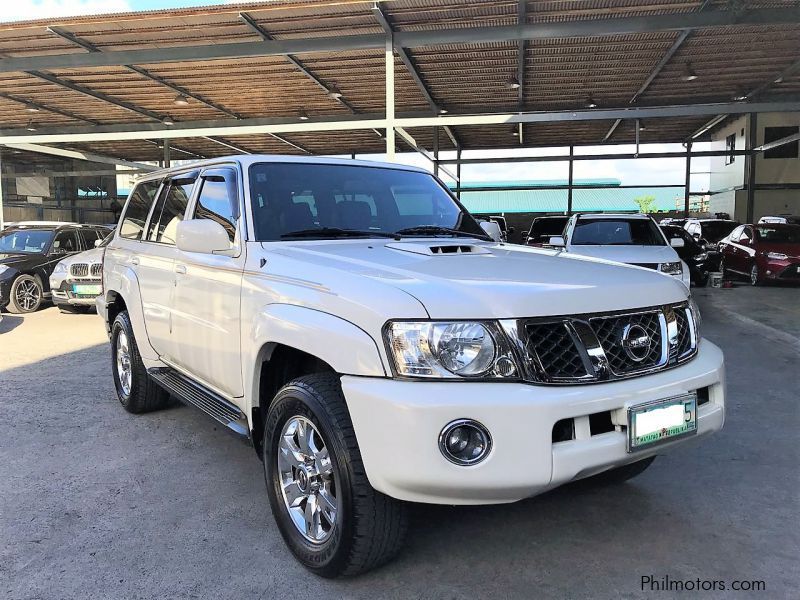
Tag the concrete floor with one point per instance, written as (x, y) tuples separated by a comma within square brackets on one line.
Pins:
[(97, 503)]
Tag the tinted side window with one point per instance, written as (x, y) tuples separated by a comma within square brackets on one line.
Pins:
[(65, 242), (169, 211), (132, 224), (217, 201)]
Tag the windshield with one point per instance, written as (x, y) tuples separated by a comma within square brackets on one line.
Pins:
[(318, 201), (714, 231), (616, 232), (786, 234), (544, 228), (25, 241)]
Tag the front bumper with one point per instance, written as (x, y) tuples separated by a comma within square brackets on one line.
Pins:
[(397, 425), (62, 293), (783, 270)]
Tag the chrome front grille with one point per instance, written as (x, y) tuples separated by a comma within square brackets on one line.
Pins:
[(79, 270), (602, 347), (97, 269)]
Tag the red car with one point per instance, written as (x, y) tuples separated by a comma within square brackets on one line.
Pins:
[(763, 252)]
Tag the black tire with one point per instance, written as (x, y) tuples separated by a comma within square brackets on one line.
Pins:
[(370, 527), (622, 474), (19, 300), (143, 394)]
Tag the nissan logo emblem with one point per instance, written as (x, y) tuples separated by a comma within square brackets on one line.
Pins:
[(636, 342)]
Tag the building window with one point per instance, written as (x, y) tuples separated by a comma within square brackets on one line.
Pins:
[(789, 150), (730, 149)]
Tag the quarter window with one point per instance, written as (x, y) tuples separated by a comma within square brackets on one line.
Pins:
[(170, 210), (139, 203), (218, 201)]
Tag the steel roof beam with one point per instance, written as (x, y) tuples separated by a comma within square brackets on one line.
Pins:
[(40, 106), (98, 158), (176, 148), (682, 37), (373, 121), (411, 67), (777, 143), (87, 45), (267, 37), (410, 39), (408, 139)]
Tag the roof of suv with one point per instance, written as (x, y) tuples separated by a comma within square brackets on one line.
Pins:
[(249, 159), (612, 216)]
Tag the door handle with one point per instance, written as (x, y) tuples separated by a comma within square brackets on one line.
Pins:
[(180, 269), (134, 260)]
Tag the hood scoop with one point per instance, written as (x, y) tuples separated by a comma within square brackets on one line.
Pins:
[(438, 249)]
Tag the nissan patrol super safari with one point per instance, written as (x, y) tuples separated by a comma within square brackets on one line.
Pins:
[(355, 324)]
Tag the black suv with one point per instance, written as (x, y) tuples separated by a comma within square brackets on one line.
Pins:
[(28, 255)]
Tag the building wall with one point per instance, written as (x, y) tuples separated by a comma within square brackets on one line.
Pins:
[(777, 170), (728, 176)]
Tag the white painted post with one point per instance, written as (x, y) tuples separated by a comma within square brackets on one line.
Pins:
[(389, 99)]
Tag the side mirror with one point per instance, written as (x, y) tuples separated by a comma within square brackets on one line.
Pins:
[(203, 236), (492, 229), (558, 241), (677, 243), (97, 243)]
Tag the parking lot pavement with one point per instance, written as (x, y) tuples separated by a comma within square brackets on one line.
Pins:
[(97, 503)]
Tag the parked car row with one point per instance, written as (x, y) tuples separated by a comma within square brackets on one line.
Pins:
[(762, 252), (32, 252)]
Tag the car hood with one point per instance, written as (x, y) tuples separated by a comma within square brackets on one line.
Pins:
[(94, 255), (15, 259), (484, 280), (628, 254)]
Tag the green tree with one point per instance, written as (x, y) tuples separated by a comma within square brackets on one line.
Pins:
[(646, 204)]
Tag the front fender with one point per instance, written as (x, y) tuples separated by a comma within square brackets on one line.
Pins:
[(126, 284), (348, 349)]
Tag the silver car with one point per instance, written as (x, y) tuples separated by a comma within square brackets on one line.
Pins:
[(78, 279)]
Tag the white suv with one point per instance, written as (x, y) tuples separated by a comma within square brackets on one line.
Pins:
[(354, 323), (633, 239)]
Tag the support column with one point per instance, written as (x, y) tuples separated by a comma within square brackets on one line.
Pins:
[(750, 163), (2, 222), (570, 179), (389, 56), (688, 179), (458, 173), (436, 151), (166, 153)]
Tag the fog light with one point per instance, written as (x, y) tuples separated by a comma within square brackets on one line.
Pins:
[(465, 442)]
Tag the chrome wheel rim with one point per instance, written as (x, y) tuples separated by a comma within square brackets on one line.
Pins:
[(754, 275), (308, 484), (27, 295), (124, 371)]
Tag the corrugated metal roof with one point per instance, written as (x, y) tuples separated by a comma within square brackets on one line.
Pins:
[(463, 78)]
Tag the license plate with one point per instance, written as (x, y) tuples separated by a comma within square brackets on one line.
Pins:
[(661, 421), (87, 290)]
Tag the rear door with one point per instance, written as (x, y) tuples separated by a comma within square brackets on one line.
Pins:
[(206, 319), (156, 261)]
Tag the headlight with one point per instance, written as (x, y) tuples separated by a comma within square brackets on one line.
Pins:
[(701, 257), (672, 268), (777, 256), (450, 349), (3, 268), (60, 268)]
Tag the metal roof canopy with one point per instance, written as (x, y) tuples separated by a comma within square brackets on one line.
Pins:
[(408, 65)]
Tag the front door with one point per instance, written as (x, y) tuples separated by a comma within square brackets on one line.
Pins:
[(207, 302), (156, 262)]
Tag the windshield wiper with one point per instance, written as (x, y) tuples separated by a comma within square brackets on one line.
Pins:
[(436, 229), (335, 232)]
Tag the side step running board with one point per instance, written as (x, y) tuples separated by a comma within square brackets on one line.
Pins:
[(190, 392)]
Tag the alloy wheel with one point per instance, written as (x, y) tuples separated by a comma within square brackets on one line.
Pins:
[(28, 295), (307, 480), (124, 367)]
